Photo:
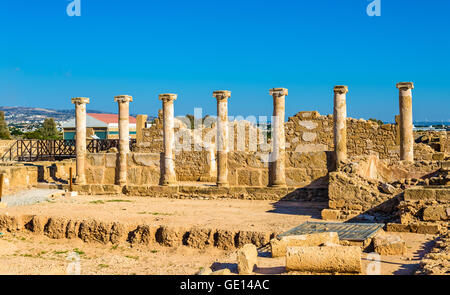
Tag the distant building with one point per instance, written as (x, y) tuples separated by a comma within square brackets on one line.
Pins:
[(99, 126)]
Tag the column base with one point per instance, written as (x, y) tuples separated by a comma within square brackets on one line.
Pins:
[(278, 185), (80, 180), (122, 183), (222, 184), (169, 182)]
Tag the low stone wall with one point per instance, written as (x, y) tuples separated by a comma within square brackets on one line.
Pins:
[(207, 192), (244, 169), (18, 177), (97, 231)]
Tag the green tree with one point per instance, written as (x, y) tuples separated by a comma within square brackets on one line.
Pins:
[(49, 130), (4, 130), (36, 134)]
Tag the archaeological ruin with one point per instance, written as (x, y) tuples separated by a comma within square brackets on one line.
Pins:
[(360, 170)]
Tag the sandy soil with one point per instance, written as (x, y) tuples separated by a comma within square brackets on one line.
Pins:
[(257, 215), (24, 253)]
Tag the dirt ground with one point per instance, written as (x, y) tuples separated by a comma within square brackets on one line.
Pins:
[(27, 253), (257, 215), (24, 253)]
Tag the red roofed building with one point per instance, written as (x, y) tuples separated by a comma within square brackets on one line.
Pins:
[(102, 126)]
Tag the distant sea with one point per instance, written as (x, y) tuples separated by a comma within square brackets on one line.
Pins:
[(432, 125)]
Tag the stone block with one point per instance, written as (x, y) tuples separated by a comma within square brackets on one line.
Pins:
[(249, 177), (435, 213), (325, 259), (247, 258), (389, 245), (329, 214), (397, 227), (419, 194), (279, 246), (443, 195), (111, 160)]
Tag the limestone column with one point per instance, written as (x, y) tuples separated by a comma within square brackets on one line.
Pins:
[(123, 102), (140, 126), (80, 140), (406, 121), (222, 136), (168, 171), (277, 172), (340, 124)]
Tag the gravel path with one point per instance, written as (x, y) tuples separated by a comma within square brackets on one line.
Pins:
[(28, 197)]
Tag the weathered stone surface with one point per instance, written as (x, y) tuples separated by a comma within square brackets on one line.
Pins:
[(330, 214), (387, 188), (221, 272), (389, 245), (170, 236), (146, 159), (247, 259), (200, 238), (94, 231), (340, 259), (417, 194), (224, 239), (56, 228), (279, 246), (435, 213), (143, 234)]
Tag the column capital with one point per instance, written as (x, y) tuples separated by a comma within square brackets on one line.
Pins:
[(405, 85), (221, 94), (123, 98), (167, 97), (80, 100), (278, 91), (342, 89)]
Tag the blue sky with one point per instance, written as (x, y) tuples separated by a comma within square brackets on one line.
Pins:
[(143, 48)]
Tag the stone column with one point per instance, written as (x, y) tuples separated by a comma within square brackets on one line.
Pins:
[(340, 124), (222, 136), (123, 102), (140, 125), (80, 140), (168, 171), (277, 172), (406, 121)]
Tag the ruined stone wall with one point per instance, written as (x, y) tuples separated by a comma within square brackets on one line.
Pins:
[(18, 177), (245, 169), (310, 131), (361, 188)]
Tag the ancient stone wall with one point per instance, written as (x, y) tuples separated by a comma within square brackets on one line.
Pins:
[(310, 131), (18, 177), (245, 169), (352, 193)]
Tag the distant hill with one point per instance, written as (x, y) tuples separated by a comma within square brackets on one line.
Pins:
[(23, 115), (30, 116)]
